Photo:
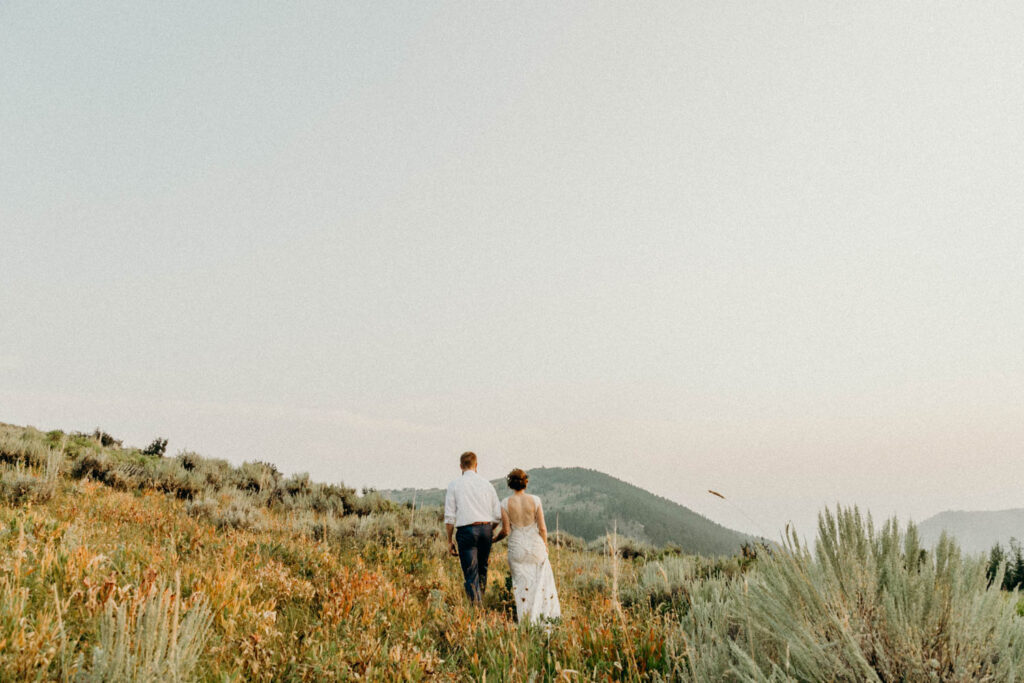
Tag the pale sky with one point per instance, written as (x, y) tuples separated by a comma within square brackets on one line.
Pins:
[(772, 249)]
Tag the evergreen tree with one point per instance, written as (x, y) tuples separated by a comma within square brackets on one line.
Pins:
[(996, 557), (1016, 576)]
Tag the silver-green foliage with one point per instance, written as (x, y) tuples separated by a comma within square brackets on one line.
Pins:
[(232, 509), (22, 449), (151, 642), (32, 479), (866, 605), (663, 583)]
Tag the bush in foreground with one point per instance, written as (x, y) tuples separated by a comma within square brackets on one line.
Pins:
[(867, 605)]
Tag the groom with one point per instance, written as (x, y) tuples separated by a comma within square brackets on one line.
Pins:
[(471, 511)]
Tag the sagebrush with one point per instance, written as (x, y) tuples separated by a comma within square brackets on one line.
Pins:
[(135, 567)]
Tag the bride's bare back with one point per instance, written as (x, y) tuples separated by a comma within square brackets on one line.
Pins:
[(522, 510)]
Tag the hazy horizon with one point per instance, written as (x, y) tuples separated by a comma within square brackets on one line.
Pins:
[(774, 250)]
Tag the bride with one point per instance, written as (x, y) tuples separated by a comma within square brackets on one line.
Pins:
[(533, 583)]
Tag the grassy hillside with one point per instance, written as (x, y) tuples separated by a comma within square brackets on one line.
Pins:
[(122, 566), (976, 532), (587, 503)]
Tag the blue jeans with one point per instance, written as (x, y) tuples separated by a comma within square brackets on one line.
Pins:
[(474, 543)]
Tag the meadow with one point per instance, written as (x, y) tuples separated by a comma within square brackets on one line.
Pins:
[(118, 565)]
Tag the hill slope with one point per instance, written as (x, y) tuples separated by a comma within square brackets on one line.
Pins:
[(975, 531), (119, 566), (586, 503)]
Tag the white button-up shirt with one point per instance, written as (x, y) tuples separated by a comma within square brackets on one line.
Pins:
[(469, 499)]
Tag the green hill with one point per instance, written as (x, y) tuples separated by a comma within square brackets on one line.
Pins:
[(587, 503)]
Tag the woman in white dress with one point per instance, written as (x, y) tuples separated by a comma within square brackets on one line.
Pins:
[(533, 583)]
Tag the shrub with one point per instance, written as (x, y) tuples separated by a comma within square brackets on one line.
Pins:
[(565, 540), (297, 484), (371, 502), (873, 605), (77, 444), (663, 584), (590, 574), (170, 477), (255, 477), (234, 510), (627, 548), (297, 492), (381, 529), (328, 528), (724, 567), (669, 550), (22, 450), (385, 529), (190, 461), (104, 439), (702, 647), (151, 641), (269, 467), (92, 464), (214, 474), (20, 486), (157, 448)]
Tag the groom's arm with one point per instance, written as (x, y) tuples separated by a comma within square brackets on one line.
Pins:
[(452, 550), (505, 526)]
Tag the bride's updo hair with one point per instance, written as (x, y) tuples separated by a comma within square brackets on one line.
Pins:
[(517, 479)]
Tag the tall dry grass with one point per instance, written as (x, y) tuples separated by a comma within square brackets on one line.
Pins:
[(309, 592)]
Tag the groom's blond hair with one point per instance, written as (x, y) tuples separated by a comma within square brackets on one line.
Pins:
[(467, 460)]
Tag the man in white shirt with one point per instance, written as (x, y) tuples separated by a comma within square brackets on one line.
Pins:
[(471, 512)]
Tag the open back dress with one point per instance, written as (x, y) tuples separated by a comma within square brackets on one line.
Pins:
[(533, 582)]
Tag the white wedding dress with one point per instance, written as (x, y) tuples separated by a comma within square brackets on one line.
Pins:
[(533, 582)]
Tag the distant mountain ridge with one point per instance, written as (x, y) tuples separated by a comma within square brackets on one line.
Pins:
[(975, 531), (587, 503)]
